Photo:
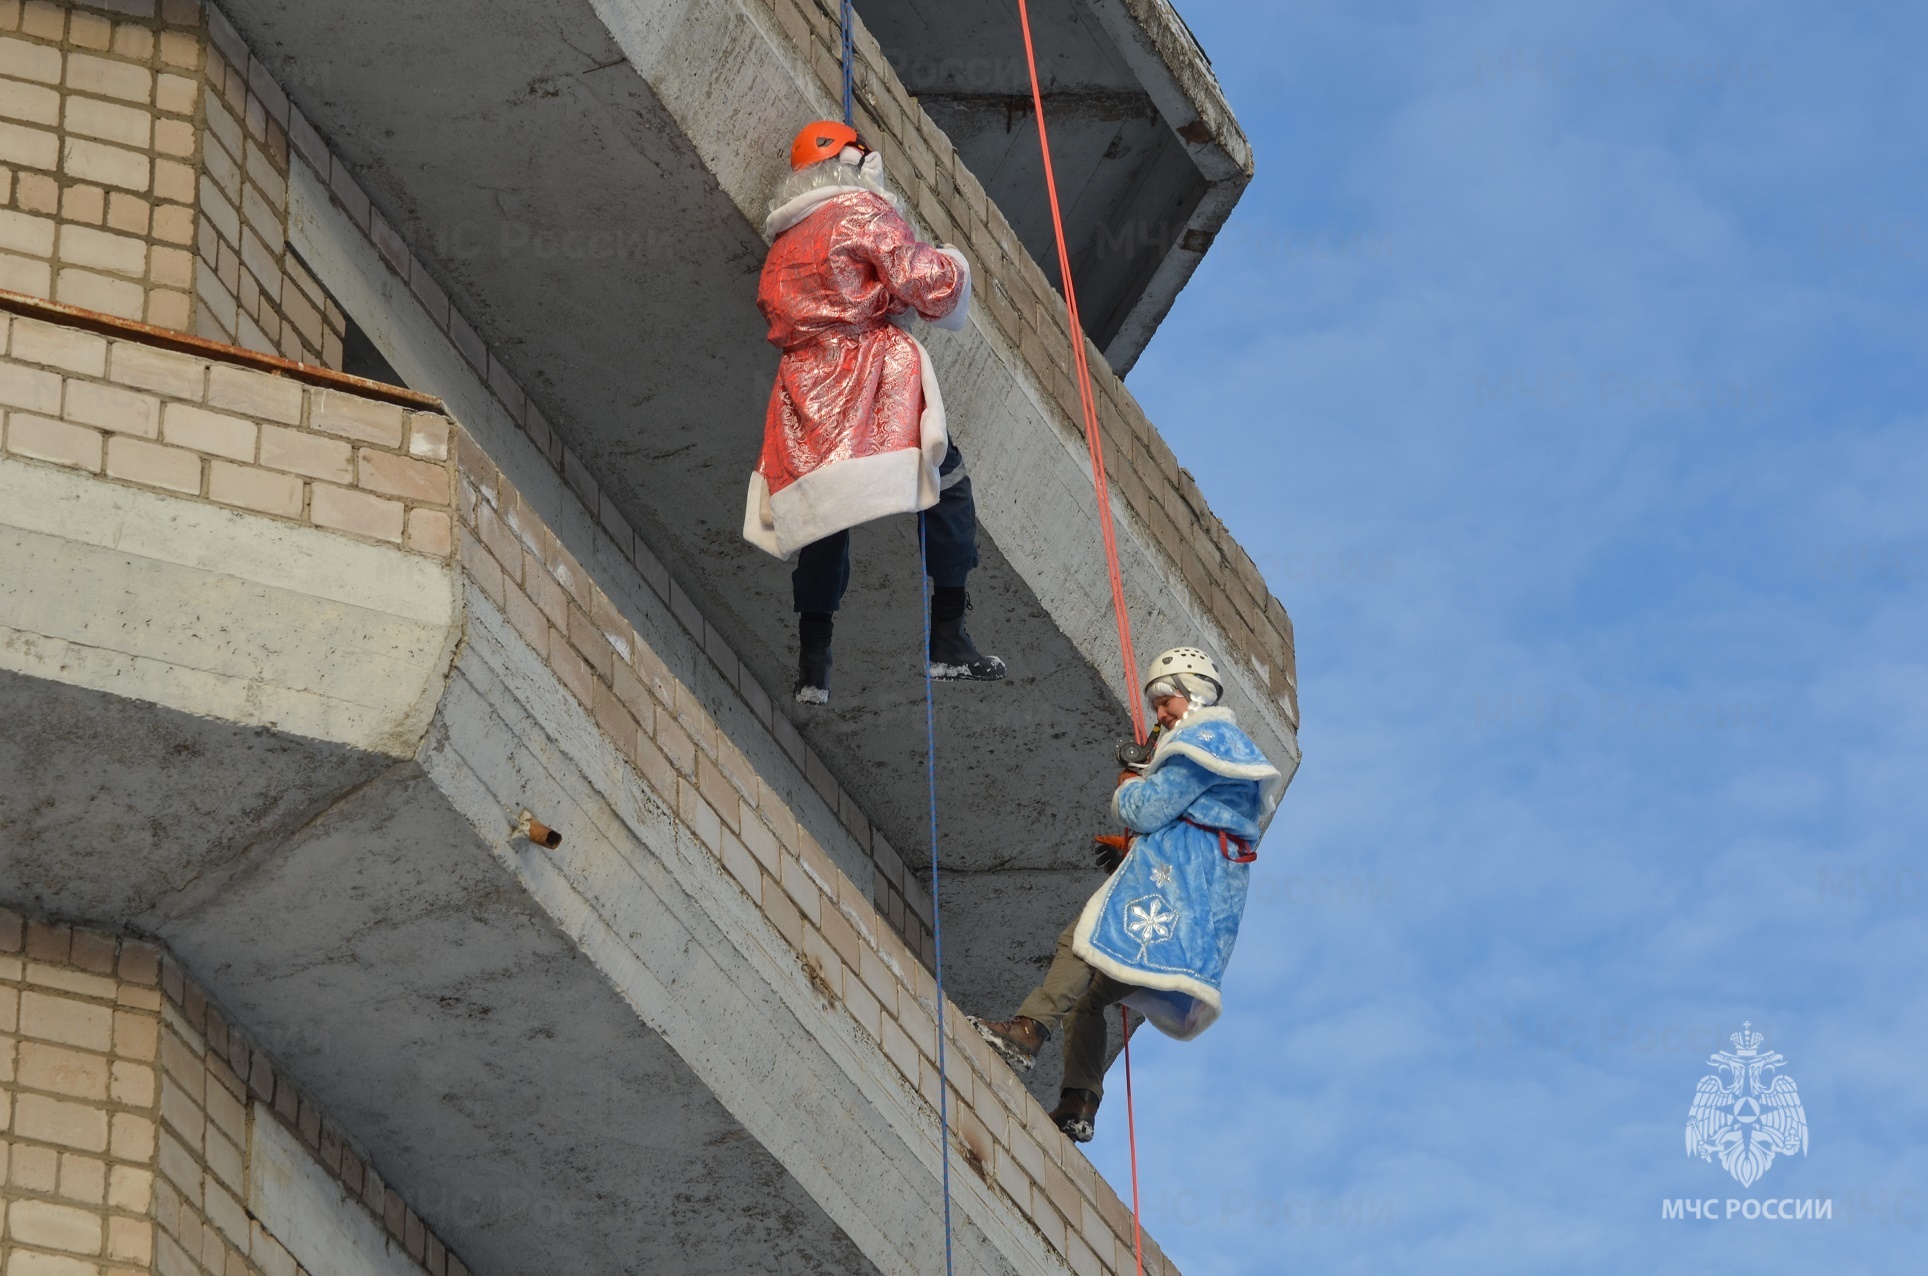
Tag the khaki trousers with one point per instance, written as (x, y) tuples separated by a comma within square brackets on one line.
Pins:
[(1075, 995)]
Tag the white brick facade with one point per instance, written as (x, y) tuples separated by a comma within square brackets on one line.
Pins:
[(129, 1112)]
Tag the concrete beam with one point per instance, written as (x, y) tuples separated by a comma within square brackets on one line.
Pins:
[(589, 1060), (182, 764), (1023, 767), (1162, 179), (152, 598)]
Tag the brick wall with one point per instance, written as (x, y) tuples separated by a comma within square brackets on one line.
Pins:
[(144, 174), (97, 151), (80, 399), (125, 1106), (249, 288), (1023, 309), (79, 1039), (849, 948), (899, 896), (144, 157), (1028, 315), (199, 427)]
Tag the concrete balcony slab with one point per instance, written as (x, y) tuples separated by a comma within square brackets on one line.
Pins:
[(586, 182), (609, 1057), (1147, 153)]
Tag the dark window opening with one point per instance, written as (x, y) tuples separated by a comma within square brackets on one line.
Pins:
[(360, 358)]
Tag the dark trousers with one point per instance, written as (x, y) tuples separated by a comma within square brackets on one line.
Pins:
[(822, 573)]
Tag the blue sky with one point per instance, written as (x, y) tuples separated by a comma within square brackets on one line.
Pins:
[(1563, 371)]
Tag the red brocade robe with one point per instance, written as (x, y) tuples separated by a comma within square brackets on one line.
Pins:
[(855, 428)]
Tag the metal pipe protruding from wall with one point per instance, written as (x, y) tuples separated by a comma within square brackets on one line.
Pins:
[(527, 825)]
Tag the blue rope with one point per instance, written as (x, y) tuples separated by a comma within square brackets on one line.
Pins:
[(848, 60), (930, 747), (937, 916)]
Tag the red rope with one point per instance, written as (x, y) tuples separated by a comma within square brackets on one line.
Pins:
[(1094, 443), (1131, 1127)]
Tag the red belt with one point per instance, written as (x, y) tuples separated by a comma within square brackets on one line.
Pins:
[(1226, 841)]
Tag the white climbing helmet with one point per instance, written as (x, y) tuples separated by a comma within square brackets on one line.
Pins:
[(1179, 666)]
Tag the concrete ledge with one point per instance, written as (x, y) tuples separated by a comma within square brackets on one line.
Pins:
[(664, 142), (589, 693), (374, 880), (218, 613), (999, 405)]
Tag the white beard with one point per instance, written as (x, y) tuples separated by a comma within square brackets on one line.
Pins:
[(836, 173)]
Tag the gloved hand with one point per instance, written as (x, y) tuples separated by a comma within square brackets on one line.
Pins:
[(1112, 848), (1127, 775)]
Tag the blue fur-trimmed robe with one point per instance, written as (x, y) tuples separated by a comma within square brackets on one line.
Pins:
[(1166, 920)]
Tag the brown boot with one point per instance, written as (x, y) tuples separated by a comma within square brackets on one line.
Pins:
[(1017, 1040), (1077, 1115)]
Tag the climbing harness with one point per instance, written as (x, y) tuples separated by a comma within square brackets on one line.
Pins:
[(1226, 840), (1094, 443)]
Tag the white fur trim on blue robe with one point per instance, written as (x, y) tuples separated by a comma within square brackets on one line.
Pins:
[(1166, 921)]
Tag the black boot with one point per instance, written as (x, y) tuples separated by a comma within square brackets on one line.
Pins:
[(813, 658), (1077, 1115), (953, 657)]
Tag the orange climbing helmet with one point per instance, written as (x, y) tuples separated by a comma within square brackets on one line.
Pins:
[(821, 141)]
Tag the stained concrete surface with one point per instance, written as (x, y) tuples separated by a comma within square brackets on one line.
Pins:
[(259, 621), (117, 807), (501, 164), (502, 1084), (1129, 187), (596, 1060), (362, 932)]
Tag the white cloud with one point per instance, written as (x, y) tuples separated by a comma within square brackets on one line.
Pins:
[(1587, 456)]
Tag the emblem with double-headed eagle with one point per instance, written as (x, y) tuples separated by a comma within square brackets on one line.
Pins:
[(1748, 1116)]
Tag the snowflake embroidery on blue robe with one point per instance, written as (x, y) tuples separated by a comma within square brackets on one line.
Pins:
[(1149, 921), (1165, 921)]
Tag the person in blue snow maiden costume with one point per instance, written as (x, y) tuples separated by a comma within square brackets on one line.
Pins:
[(1159, 932)]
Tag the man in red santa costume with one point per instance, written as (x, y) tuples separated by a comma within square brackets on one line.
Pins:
[(855, 428)]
